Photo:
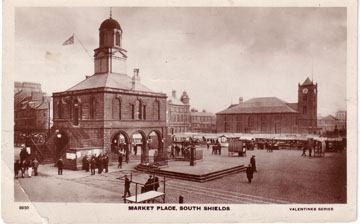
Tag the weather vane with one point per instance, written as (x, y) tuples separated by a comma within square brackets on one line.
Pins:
[(110, 12)]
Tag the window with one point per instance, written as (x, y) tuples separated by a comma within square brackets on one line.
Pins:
[(227, 127), (251, 121), (156, 110), (132, 111), (116, 109), (92, 107), (238, 127), (304, 97), (117, 38), (137, 110), (304, 109), (60, 109), (144, 112)]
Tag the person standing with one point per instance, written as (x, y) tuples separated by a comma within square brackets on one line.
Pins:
[(60, 165), (304, 150), (106, 163), (85, 162), (253, 163), (23, 168), (99, 164), (17, 168), (120, 160), (35, 166), (249, 173), (127, 187), (23, 154), (93, 165), (156, 182), (310, 145), (149, 185), (30, 167)]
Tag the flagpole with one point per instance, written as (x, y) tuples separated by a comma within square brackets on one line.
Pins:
[(83, 47)]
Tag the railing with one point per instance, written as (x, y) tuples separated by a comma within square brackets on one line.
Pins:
[(37, 152)]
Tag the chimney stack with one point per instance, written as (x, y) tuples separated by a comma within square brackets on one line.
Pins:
[(135, 78), (174, 93), (241, 100)]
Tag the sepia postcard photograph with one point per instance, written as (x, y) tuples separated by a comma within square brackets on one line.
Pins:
[(166, 112)]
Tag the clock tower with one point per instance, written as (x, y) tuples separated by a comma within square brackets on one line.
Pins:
[(307, 106), (110, 57)]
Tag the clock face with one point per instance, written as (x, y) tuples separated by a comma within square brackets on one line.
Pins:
[(305, 90)]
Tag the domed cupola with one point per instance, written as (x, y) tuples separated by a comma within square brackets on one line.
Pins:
[(110, 33), (110, 24), (110, 57)]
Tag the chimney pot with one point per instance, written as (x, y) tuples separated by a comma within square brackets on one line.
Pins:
[(241, 100), (174, 93)]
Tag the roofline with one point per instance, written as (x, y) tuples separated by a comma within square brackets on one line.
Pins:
[(220, 113), (109, 90)]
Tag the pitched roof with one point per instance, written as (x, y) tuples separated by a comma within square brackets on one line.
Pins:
[(329, 117), (174, 100), (202, 114), (307, 82), (110, 80), (260, 105), (293, 105)]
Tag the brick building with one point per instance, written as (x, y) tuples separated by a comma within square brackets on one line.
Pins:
[(109, 110), (178, 113), (203, 121), (31, 113), (331, 123), (272, 115)]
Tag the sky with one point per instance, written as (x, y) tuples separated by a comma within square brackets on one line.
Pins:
[(214, 54)]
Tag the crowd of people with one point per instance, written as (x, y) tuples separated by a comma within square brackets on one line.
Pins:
[(26, 165), (100, 162), (313, 146), (151, 184)]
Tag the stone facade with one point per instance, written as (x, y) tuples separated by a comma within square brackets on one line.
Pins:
[(203, 121), (272, 115), (91, 115), (31, 113), (178, 113)]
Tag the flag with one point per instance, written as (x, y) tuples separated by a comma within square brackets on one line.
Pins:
[(69, 41)]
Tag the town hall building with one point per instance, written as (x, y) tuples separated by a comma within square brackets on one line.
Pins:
[(272, 115), (109, 111)]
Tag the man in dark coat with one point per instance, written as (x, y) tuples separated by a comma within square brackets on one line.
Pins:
[(149, 186), (127, 187), (23, 167), (253, 163), (156, 182), (23, 154), (85, 164), (93, 165), (99, 164), (60, 165), (17, 168), (106, 163), (249, 173), (120, 160)]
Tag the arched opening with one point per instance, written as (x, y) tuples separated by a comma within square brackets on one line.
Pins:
[(118, 39), (138, 147), (154, 143), (120, 144)]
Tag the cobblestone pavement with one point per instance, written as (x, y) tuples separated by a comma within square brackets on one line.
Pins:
[(283, 177)]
